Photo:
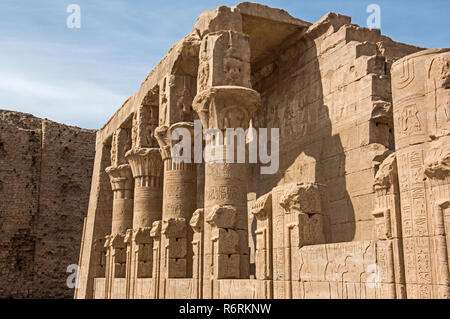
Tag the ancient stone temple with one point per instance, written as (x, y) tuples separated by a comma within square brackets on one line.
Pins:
[(359, 206)]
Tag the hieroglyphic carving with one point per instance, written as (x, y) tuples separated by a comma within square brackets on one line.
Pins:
[(338, 271)]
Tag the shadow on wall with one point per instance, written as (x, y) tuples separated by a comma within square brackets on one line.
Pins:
[(293, 101)]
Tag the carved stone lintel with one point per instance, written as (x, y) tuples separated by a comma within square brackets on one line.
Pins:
[(224, 60)]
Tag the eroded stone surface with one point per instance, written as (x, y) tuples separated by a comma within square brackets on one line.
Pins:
[(359, 207)]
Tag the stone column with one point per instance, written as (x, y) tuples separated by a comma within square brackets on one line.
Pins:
[(225, 100), (420, 84), (122, 215), (179, 201), (388, 231), (147, 168)]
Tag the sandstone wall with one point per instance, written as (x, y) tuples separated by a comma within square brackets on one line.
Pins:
[(329, 93), (45, 177)]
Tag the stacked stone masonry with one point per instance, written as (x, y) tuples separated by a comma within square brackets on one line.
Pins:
[(45, 178), (359, 207)]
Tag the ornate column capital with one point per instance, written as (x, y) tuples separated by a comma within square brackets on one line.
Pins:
[(164, 134), (225, 107), (146, 165)]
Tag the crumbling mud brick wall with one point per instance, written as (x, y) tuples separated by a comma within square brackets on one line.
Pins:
[(45, 173)]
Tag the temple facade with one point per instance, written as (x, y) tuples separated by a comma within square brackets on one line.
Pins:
[(358, 208)]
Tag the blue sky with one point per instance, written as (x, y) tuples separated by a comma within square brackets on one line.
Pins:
[(82, 76)]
